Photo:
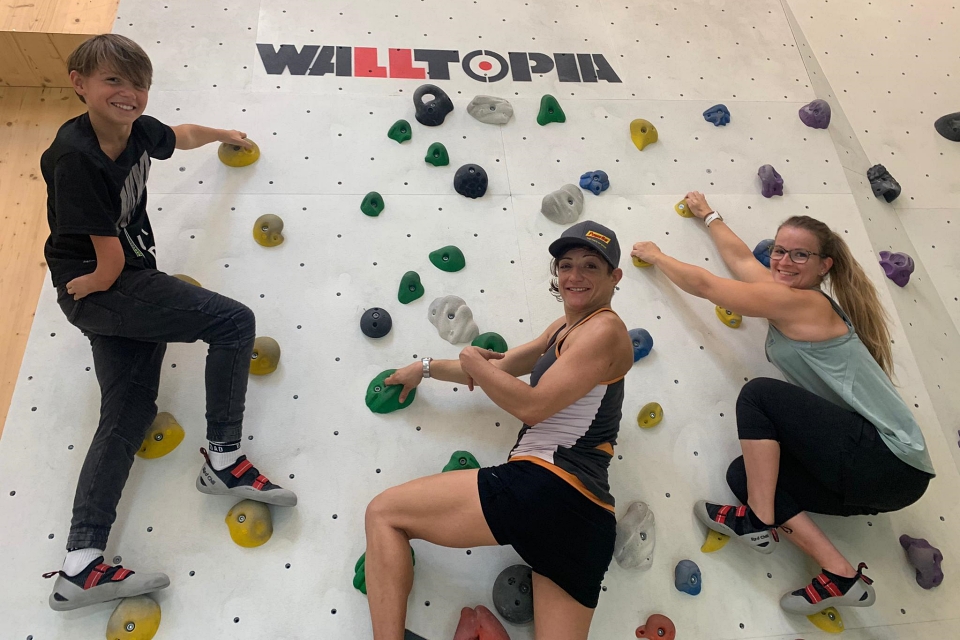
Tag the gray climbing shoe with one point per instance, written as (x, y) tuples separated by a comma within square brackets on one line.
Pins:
[(733, 521), (823, 593), (101, 582), (243, 481)]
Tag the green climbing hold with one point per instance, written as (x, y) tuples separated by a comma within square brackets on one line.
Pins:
[(372, 204), (410, 287), (437, 155), (550, 111), (382, 398), (448, 258), (360, 571), (460, 461), (490, 341), (400, 131)]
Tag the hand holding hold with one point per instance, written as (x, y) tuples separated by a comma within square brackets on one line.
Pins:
[(697, 204), (646, 252), (410, 377)]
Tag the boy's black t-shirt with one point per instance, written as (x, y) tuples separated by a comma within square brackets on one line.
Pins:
[(88, 194)]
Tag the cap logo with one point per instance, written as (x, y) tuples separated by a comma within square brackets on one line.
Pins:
[(598, 236)]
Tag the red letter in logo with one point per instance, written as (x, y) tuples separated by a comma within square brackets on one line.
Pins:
[(401, 65), (365, 63)]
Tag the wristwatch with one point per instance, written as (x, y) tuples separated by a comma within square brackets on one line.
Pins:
[(713, 215), (426, 366)]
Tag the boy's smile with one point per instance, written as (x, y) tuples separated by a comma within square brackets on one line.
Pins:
[(111, 99)]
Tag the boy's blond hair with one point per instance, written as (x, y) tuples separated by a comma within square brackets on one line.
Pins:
[(116, 53)]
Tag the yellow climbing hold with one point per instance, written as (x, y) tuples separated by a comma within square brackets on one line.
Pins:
[(268, 230), (187, 279), (642, 132), (637, 262), (233, 155), (265, 356), (162, 437), (650, 415), (135, 618), (828, 620), (250, 523), (682, 209), (714, 542), (729, 318)]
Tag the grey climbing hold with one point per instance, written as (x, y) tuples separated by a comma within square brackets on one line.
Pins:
[(432, 112), (513, 594), (375, 322), (816, 114), (470, 181), (949, 126), (490, 110), (687, 578), (453, 319), (636, 537), (771, 184), (882, 183), (564, 205), (925, 558)]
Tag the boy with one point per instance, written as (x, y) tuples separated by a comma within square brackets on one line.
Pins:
[(103, 263)]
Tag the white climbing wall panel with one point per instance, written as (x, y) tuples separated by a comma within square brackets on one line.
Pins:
[(324, 146)]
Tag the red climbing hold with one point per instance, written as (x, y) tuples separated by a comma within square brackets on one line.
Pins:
[(479, 624)]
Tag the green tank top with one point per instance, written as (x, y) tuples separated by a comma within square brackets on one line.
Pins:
[(842, 371)]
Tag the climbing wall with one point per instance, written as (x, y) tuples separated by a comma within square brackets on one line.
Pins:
[(324, 145)]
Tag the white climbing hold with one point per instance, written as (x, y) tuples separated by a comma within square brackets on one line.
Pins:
[(564, 205), (453, 319), (490, 110), (636, 537)]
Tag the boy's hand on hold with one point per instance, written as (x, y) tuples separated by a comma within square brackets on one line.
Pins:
[(237, 138), (698, 204), (83, 286)]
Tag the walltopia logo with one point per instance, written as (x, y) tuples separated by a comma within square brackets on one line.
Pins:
[(481, 65)]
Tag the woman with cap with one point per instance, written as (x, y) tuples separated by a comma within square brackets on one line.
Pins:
[(551, 501), (837, 438)]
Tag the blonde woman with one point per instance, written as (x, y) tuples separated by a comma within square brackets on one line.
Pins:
[(836, 438)]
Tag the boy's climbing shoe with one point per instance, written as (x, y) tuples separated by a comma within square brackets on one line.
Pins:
[(735, 522), (828, 590), (241, 479), (101, 582)]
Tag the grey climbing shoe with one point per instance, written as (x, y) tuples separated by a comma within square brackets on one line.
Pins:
[(101, 582), (243, 481), (823, 592), (734, 522)]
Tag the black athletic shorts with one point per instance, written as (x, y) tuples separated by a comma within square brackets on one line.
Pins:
[(557, 530)]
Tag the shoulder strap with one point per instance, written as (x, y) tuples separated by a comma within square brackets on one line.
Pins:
[(554, 338), (578, 323), (836, 307)]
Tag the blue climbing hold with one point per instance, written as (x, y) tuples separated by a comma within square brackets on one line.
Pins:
[(718, 114), (595, 181), (687, 577), (642, 343), (762, 251)]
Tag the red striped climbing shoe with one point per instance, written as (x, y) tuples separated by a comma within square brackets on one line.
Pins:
[(101, 582), (244, 481), (826, 591), (733, 521)]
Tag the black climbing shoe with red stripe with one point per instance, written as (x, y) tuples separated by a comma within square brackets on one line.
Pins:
[(242, 480), (735, 522), (101, 582), (829, 590)]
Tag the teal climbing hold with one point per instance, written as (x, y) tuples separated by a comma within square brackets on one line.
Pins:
[(360, 571), (372, 204), (461, 460), (448, 258), (383, 398), (437, 155), (400, 131), (490, 341), (550, 111), (410, 287)]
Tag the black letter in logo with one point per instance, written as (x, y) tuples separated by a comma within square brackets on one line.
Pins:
[(274, 62), (604, 70), (438, 61), (567, 67), (324, 62)]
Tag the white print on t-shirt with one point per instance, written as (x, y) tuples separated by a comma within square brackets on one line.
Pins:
[(133, 190)]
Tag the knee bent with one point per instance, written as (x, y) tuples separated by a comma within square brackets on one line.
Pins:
[(737, 479)]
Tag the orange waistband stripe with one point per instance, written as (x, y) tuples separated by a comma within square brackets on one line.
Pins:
[(567, 477)]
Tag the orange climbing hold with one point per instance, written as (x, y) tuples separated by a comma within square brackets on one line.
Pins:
[(658, 626)]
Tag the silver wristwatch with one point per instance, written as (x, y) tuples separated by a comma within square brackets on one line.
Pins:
[(426, 366), (711, 217)]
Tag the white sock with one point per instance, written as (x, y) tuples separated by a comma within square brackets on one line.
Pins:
[(224, 454), (78, 560)]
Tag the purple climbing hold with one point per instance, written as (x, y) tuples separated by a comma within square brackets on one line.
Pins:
[(925, 558), (595, 181), (771, 184), (897, 266), (816, 114), (718, 114)]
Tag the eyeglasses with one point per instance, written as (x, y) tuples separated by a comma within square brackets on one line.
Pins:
[(799, 256)]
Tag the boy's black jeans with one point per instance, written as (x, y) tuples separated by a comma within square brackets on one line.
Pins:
[(129, 327)]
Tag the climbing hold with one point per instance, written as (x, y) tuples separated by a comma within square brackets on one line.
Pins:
[(400, 131), (470, 181), (637, 262), (490, 110), (729, 318), (643, 133), (828, 620), (360, 571), (682, 209), (249, 523), (687, 578), (383, 398), (162, 437), (479, 624), (233, 155), (949, 126), (816, 114), (410, 287), (564, 205), (375, 322), (437, 155), (897, 266), (595, 181), (448, 258), (490, 341), (460, 461), (642, 343), (650, 415), (658, 626), (268, 230), (714, 541), (513, 594), (925, 558), (718, 114), (372, 204), (882, 183), (771, 183), (636, 537), (762, 251), (136, 618), (453, 319), (186, 278), (432, 112), (265, 356), (550, 111)]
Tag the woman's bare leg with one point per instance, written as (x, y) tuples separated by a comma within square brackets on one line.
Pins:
[(802, 531), (762, 460), (557, 616)]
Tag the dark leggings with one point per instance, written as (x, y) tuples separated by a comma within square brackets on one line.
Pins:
[(832, 460)]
